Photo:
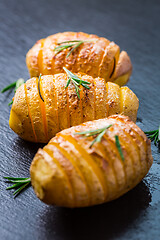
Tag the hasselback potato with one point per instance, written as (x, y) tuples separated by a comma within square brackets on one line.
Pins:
[(38, 121), (95, 56), (70, 172)]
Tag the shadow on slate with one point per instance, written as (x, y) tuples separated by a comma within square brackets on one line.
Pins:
[(110, 219)]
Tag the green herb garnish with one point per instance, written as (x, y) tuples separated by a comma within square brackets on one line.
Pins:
[(76, 81), (99, 131), (19, 82), (12, 85), (154, 135), (15, 85), (118, 145), (69, 44), (39, 90), (19, 184)]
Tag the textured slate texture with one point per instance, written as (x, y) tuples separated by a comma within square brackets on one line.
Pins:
[(134, 25)]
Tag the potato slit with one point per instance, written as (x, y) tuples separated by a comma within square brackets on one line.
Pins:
[(68, 111), (43, 110), (102, 60), (70, 159), (89, 160), (53, 59), (74, 67), (56, 102), (144, 144), (141, 139), (81, 103), (107, 158), (107, 105), (123, 143), (51, 154), (94, 82), (120, 99), (113, 62), (40, 57), (135, 146), (116, 58), (29, 113), (126, 145), (65, 59), (117, 154)]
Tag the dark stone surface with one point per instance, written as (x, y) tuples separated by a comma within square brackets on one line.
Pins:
[(134, 25)]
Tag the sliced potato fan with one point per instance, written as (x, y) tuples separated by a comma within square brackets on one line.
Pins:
[(41, 109), (79, 52), (73, 171)]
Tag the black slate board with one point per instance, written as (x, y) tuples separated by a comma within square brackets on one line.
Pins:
[(134, 25)]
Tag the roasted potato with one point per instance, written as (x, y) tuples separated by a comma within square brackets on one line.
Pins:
[(96, 56), (38, 121), (69, 172)]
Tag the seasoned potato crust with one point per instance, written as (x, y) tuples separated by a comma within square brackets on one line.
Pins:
[(97, 57)]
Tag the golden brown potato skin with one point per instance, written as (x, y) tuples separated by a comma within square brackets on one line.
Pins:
[(98, 58), (38, 121), (67, 172)]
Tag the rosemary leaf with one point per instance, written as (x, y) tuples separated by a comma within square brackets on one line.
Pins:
[(118, 145), (19, 83), (68, 82), (19, 184), (20, 189), (154, 135), (12, 85), (84, 85), (20, 181), (94, 131), (100, 132), (76, 81), (14, 178), (16, 84), (14, 186), (69, 41), (98, 138), (62, 47), (76, 46), (39, 88), (68, 44), (10, 103)]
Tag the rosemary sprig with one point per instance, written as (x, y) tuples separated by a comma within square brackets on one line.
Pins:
[(12, 85), (10, 103), (39, 89), (69, 44), (76, 81), (19, 184), (19, 82), (15, 85), (99, 131), (118, 145), (154, 135)]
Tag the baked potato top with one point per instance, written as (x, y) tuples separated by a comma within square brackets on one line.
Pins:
[(95, 56)]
